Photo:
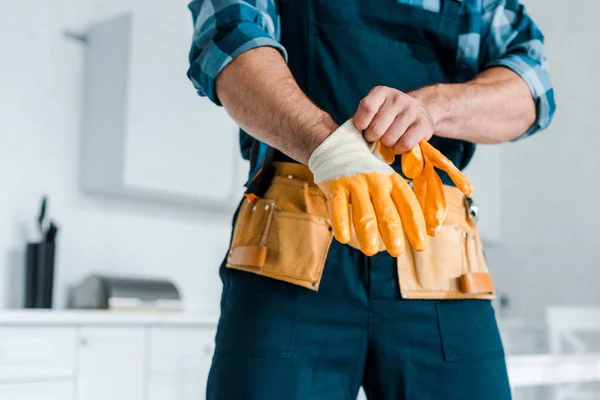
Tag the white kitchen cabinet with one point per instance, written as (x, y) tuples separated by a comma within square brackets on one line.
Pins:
[(93, 355), (179, 363), (37, 352), (117, 356), (146, 132), (37, 391), (111, 363)]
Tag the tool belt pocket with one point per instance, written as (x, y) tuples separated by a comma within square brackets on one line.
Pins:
[(452, 266), (290, 246)]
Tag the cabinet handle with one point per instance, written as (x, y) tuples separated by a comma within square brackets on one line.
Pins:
[(83, 342), (208, 349)]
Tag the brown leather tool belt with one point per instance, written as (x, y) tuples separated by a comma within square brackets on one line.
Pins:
[(286, 235)]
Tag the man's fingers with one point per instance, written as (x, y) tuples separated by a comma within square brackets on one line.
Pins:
[(381, 122), (340, 216), (411, 215), (364, 220), (442, 162), (399, 126), (368, 107), (436, 207), (388, 219), (412, 163), (417, 132)]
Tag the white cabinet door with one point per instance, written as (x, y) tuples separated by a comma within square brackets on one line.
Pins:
[(111, 363), (36, 352), (179, 362), (37, 391)]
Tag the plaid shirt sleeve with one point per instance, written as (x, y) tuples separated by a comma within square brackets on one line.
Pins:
[(511, 39), (224, 29)]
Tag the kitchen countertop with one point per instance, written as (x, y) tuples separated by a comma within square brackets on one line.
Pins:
[(106, 317)]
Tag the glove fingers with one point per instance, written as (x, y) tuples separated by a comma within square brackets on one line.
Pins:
[(387, 153), (339, 211), (364, 219), (388, 219), (442, 162), (436, 207), (420, 189), (412, 163), (411, 214)]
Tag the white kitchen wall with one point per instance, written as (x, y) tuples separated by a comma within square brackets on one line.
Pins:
[(550, 247), (548, 250), (40, 95)]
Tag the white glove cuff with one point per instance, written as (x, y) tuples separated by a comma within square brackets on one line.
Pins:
[(345, 152)]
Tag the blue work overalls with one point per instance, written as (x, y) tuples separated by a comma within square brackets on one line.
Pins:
[(279, 341)]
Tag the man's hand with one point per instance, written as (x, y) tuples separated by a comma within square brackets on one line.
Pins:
[(396, 119)]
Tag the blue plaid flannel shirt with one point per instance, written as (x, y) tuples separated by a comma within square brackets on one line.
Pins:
[(495, 33)]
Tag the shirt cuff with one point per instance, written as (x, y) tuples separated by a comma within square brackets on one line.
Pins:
[(218, 53), (538, 80)]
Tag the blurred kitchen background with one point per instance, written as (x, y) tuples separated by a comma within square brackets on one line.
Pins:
[(141, 177)]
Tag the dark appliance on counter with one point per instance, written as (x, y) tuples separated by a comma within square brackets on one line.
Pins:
[(126, 293)]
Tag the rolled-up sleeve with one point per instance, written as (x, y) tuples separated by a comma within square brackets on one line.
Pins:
[(511, 39), (224, 29)]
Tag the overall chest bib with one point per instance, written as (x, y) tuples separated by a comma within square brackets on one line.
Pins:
[(339, 50)]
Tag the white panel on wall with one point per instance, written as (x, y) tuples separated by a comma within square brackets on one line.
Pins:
[(189, 146), (146, 131)]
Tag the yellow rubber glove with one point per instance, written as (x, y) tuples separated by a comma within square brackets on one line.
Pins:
[(366, 195), (418, 164)]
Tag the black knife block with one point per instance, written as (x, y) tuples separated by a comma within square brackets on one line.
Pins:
[(39, 274)]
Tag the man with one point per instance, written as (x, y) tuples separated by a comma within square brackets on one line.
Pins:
[(337, 86)]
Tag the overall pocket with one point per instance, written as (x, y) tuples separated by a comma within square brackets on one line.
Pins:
[(468, 330), (258, 316)]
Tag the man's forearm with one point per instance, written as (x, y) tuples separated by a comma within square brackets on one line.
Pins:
[(495, 107), (259, 92)]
